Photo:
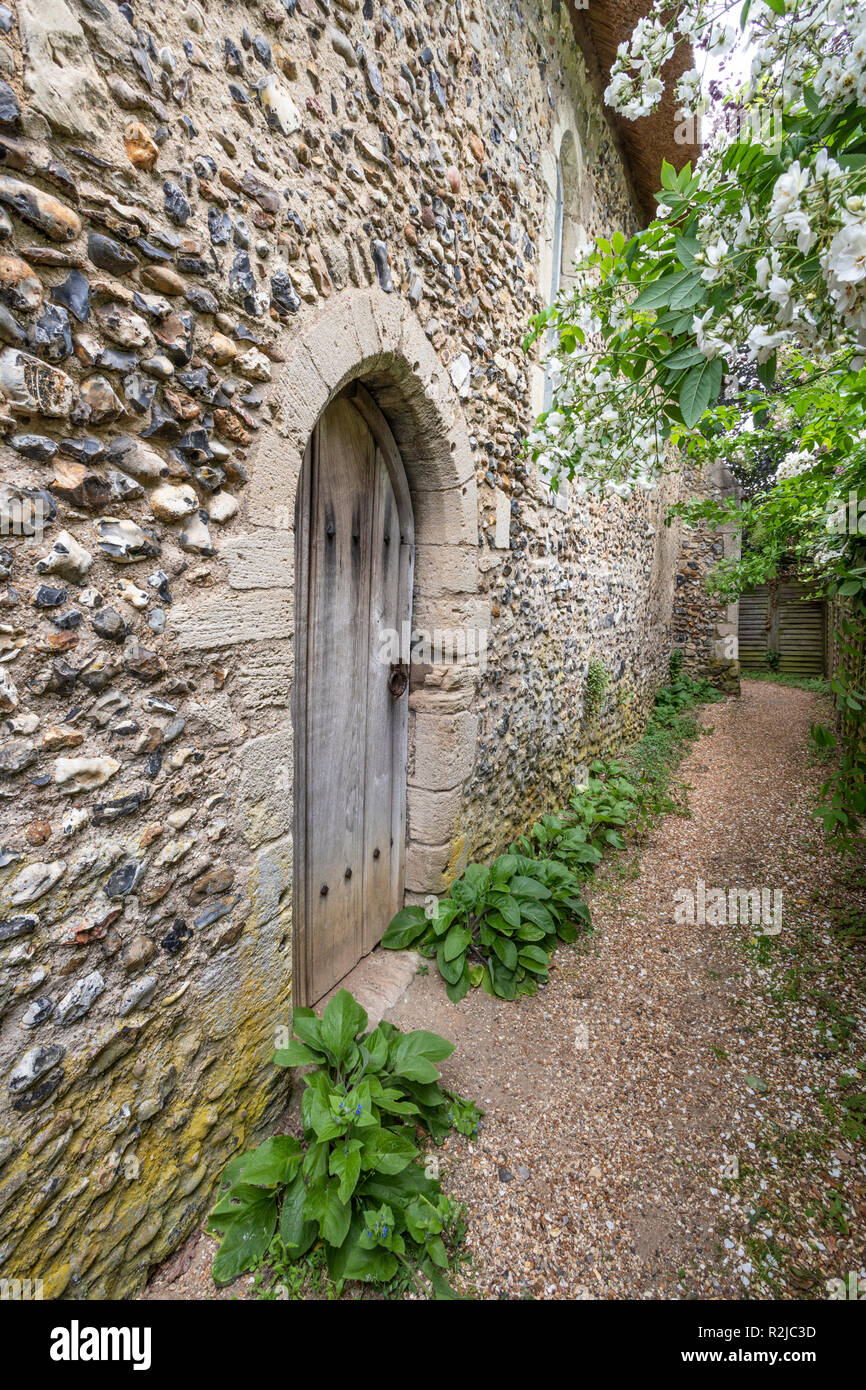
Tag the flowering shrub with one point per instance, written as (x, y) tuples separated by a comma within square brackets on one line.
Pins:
[(760, 249), (734, 325)]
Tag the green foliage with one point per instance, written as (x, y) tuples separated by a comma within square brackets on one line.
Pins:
[(356, 1183), (682, 692), (559, 837), (606, 804), (498, 926), (821, 736), (597, 680), (816, 685), (628, 793), (723, 330)]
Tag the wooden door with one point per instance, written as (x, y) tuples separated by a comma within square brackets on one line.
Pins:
[(789, 623), (801, 631), (354, 554), (753, 628)]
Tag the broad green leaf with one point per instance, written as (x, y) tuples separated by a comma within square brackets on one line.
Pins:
[(686, 249), (657, 295), (296, 1234), (508, 906), (324, 1206), (456, 990), (450, 970), (387, 1150), (345, 1164), (506, 951), (405, 928), (353, 1261), (308, 1028), (689, 293), (416, 1052), (539, 915), (504, 980), (700, 387), (297, 1054), (524, 887), (456, 941), (375, 1045), (274, 1163), (247, 1228), (342, 1020)]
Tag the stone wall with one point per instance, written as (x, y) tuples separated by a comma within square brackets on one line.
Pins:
[(213, 216), (705, 627)]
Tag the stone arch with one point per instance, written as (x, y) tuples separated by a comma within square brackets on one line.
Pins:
[(365, 336), (570, 171), (564, 181)]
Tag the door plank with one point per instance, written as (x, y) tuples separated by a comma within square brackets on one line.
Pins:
[(354, 549), (384, 715), (337, 669)]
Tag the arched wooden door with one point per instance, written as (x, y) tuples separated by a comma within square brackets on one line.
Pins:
[(354, 554)]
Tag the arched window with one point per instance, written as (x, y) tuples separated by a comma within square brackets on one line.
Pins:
[(571, 229), (567, 236), (567, 228)]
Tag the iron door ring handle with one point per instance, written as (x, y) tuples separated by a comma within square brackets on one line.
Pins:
[(398, 680)]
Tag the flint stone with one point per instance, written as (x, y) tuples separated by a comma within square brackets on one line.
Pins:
[(33, 1065), (35, 881), (107, 254), (51, 335), (74, 294), (51, 216), (20, 286), (33, 387), (80, 998)]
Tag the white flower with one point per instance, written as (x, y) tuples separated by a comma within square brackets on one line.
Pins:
[(589, 322), (793, 465), (714, 255), (762, 343), (796, 221), (722, 39), (788, 189), (688, 23), (744, 233), (779, 291), (689, 89), (709, 343), (619, 89), (846, 256), (825, 167), (825, 74)]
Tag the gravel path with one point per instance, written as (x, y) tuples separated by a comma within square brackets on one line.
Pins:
[(666, 1119)]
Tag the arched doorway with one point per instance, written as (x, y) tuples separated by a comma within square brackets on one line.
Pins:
[(354, 560)]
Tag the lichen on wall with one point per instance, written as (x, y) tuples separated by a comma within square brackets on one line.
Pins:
[(183, 188)]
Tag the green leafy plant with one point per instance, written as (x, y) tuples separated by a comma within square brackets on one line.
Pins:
[(597, 680), (498, 927), (499, 924), (356, 1183), (822, 741), (557, 837), (605, 804)]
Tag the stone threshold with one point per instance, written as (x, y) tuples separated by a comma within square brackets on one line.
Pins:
[(378, 982)]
